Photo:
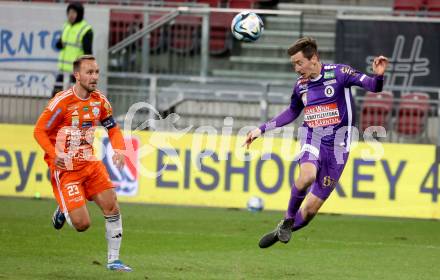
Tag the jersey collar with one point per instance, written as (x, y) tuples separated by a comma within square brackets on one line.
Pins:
[(76, 95)]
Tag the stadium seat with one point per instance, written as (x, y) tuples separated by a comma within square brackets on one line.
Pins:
[(433, 7), (408, 7), (157, 36), (376, 110), (184, 34), (412, 114), (123, 24), (211, 3), (220, 40), (241, 4)]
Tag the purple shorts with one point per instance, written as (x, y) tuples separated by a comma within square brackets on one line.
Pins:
[(328, 169)]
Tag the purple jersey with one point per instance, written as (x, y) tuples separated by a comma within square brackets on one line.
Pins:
[(327, 103)]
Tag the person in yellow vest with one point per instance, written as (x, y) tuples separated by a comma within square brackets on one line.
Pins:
[(76, 40)]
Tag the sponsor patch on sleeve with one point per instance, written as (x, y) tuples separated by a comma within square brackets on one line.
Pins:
[(348, 70)]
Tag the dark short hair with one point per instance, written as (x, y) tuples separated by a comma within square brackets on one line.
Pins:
[(77, 62), (306, 45)]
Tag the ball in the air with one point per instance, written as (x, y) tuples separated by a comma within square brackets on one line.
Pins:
[(247, 27)]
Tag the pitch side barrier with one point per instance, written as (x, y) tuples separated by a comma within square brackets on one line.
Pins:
[(199, 169)]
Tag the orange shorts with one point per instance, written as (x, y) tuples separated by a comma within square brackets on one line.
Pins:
[(72, 188)]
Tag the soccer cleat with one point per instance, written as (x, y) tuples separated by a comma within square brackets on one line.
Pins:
[(268, 239), (58, 219), (119, 266), (282, 233), (284, 230)]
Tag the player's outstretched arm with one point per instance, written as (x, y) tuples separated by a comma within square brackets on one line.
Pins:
[(285, 117), (251, 136), (353, 77)]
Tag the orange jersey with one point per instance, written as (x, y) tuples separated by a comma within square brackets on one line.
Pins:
[(69, 123)]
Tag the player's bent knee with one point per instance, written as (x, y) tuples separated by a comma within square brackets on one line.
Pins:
[(81, 225)]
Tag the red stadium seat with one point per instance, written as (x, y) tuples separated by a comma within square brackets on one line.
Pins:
[(433, 7), (412, 114), (184, 34), (408, 7), (220, 35), (241, 4), (376, 110), (157, 36), (211, 3), (123, 24)]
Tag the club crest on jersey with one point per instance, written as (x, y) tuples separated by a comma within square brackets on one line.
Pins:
[(329, 74), (95, 111), (75, 121), (329, 91)]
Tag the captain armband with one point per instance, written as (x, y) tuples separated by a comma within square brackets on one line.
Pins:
[(108, 122)]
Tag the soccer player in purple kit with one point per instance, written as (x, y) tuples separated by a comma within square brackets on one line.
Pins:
[(323, 92)]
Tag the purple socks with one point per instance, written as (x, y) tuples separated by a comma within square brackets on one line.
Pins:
[(296, 198), (299, 221)]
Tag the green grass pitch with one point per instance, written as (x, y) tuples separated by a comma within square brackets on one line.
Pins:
[(164, 242)]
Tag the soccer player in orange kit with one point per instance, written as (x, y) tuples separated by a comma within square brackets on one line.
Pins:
[(65, 131)]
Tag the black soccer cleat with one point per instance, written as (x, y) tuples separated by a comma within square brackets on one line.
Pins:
[(268, 239), (282, 233), (284, 230), (58, 219)]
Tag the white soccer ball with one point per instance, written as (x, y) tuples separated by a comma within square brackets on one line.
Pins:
[(255, 204), (247, 27)]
